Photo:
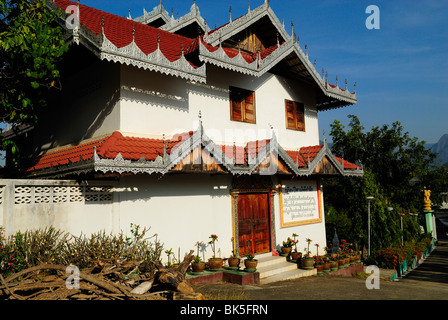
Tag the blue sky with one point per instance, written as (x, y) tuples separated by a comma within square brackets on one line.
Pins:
[(401, 69)]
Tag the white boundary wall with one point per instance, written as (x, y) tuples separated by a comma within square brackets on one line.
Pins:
[(182, 209)]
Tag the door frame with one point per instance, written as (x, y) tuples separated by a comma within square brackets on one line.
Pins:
[(234, 196)]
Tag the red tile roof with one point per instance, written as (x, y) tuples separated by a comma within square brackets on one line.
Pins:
[(131, 148), (134, 148), (67, 155), (121, 31)]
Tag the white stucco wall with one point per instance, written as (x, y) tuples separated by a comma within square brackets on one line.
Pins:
[(37, 204), (153, 104), (181, 209), (313, 231)]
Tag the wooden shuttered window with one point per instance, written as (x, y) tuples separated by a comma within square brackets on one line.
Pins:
[(295, 115), (242, 105)]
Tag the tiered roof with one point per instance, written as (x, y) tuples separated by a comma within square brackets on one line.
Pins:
[(119, 153), (151, 42), (140, 43)]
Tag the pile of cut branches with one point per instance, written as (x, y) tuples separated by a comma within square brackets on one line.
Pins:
[(104, 280)]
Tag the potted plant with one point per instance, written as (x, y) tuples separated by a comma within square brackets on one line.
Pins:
[(233, 260), (214, 263), (346, 250), (308, 260), (198, 265), (327, 265), (334, 263), (250, 263), (295, 255), (318, 264), (341, 260), (287, 247)]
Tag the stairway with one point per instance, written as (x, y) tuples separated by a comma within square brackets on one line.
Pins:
[(276, 268)]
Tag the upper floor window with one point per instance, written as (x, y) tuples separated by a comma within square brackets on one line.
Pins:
[(295, 115), (242, 105)]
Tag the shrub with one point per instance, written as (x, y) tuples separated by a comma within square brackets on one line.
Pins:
[(392, 258), (51, 246)]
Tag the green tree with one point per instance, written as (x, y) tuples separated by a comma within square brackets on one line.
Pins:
[(30, 49), (396, 168)]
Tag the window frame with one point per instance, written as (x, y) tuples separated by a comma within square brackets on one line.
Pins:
[(297, 106), (232, 92)]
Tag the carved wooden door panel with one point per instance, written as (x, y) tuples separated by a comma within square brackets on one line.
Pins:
[(253, 223)]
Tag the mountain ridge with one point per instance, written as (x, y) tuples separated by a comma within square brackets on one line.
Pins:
[(441, 148)]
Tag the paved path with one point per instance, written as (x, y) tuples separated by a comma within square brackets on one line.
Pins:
[(429, 281)]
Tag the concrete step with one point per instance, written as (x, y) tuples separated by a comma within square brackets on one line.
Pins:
[(276, 268), (292, 274)]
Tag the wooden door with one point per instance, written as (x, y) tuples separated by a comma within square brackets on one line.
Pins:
[(253, 223)]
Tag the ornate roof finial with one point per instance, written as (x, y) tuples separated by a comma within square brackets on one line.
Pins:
[(345, 84), (248, 7), (293, 35), (314, 63), (355, 86), (337, 82), (129, 16), (326, 77), (230, 14), (306, 50)]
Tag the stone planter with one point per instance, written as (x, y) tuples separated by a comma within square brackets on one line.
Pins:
[(307, 263), (285, 251), (233, 263), (296, 256), (198, 267), (320, 268), (215, 264), (347, 261), (251, 265), (334, 265)]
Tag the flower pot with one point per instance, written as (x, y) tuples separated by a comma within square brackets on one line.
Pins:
[(251, 265), (334, 265), (347, 261), (353, 260), (296, 256), (327, 267), (341, 263), (320, 268), (307, 263), (198, 267), (285, 251), (233, 263), (215, 264)]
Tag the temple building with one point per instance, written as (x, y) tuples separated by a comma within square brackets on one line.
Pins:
[(165, 123)]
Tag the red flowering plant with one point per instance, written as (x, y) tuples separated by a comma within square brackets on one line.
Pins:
[(294, 235), (307, 250)]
